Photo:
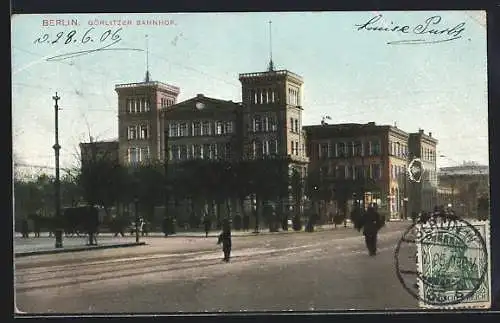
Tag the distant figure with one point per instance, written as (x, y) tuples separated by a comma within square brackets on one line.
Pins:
[(371, 224), (165, 226), (141, 226), (225, 239), (357, 216), (414, 217), (207, 224), (25, 228)]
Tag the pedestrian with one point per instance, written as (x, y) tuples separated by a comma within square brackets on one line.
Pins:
[(372, 223), (357, 216), (207, 224), (414, 216), (225, 239), (25, 228)]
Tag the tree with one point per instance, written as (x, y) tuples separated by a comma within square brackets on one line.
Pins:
[(148, 186), (102, 182)]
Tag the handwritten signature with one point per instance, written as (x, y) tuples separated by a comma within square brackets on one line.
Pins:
[(107, 39), (429, 28)]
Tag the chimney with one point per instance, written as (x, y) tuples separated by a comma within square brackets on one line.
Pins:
[(199, 95), (421, 131), (371, 123), (430, 134)]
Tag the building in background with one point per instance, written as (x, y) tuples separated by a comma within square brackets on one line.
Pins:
[(140, 127), (203, 128), (465, 185), (367, 160), (98, 150), (273, 116), (423, 194)]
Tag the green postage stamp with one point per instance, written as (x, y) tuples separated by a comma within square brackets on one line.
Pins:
[(453, 264)]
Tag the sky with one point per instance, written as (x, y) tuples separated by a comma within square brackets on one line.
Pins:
[(351, 75)]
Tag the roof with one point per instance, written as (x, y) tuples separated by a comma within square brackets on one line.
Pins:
[(347, 129), (158, 84), (209, 104), (284, 73), (464, 170)]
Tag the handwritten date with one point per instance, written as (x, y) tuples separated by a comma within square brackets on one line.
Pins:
[(74, 37)]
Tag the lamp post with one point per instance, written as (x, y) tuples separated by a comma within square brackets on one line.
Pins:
[(57, 183), (136, 202)]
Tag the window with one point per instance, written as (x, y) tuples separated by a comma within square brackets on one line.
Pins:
[(228, 150), (366, 148), (147, 105), (264, 95), (265, 148), (219, 130), (257, 124), (220, 151), (272, 123), (129, 107), (144, 132), (273, 147), (341, 149), (173, 130), (347, 171), (205, 128), (175, 151), (324, 150), (375, 146), (133, 155), (206, 151), (145, 154), (197, 153), (375, 172), (132, 132), (296, 125), (253, 97), (183, 129), (228, 127), (393, 172), (398, 149), (189, 150), (183, 152), (257, 148), (136, 106), (350, 149), (297, 148), (359, 172), (291, 125), (196, 128), (272, 96), (213, 151), (358, 148)]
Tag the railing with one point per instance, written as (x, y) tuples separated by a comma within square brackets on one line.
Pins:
[(261, 74), (154, 83)]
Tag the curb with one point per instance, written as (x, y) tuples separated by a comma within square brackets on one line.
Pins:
[(77, 249), (250, 234)]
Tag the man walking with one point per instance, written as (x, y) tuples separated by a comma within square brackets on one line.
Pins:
[(372, 222), (225, 239)]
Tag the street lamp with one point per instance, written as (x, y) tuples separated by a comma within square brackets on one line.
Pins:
[(136, 202), (57, 183)]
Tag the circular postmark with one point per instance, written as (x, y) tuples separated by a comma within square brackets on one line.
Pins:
[(441, 260)]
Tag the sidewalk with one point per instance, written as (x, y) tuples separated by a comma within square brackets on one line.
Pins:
[(45, 245)]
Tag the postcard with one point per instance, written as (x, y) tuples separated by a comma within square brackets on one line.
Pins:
[(248, 162)]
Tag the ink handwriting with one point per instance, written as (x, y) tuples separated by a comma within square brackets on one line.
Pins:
[(431, 31)]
